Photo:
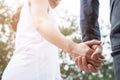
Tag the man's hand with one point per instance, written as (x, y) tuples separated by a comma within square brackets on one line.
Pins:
[(97, 55), (92, 61)]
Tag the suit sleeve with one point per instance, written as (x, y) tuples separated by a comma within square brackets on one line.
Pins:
[(89, 10)]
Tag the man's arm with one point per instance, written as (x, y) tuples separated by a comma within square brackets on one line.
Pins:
[(90, 30), (89, 19)]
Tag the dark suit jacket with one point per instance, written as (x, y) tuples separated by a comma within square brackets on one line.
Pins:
[(89, 11)]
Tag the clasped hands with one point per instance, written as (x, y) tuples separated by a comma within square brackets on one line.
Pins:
[(88, 55)]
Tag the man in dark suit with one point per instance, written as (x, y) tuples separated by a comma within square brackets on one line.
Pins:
[(90, 28)]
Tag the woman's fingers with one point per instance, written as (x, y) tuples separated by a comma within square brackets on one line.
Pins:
[(85, 64), (78, 62), (82, 63)]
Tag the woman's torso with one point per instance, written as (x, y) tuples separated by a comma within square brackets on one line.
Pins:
[(32, 51)]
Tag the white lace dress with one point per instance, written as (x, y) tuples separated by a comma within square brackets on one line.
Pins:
[(34, 58)]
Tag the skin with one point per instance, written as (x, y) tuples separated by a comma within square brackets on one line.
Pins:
[(15, 18), (91, 65), (84, 58), (96, 56), (54, 3)]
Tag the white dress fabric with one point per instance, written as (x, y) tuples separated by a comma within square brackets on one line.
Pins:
[(34, 58)]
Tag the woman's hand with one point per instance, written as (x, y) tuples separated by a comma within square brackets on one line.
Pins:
[(84, 53), (88, 65), (91, 62), (83, 49)]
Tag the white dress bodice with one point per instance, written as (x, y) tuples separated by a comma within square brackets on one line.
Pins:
[(34, 58)]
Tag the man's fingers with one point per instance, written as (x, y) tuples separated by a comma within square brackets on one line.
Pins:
[(90, 52), (101, 58), (96, 64), (92, 68), (93, 42), (97, 55)]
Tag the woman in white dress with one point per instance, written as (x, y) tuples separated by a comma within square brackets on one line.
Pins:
[(37, 35)]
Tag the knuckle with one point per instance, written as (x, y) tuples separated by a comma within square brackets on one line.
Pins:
[(93, 40)]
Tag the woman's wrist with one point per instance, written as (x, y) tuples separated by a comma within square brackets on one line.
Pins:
[(71, 47)]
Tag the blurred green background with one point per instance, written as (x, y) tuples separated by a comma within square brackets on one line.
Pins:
[(68, 69)]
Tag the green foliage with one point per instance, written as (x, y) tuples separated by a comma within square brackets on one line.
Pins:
[(71, 27), (68, 68), (67, 31), (71, 72), (77, 40), (4, 13), (3, 56)]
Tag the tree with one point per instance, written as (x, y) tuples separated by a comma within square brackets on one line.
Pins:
[(68, 68), (6, 37)]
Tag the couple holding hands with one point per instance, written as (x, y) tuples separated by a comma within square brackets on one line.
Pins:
[(37, 38)]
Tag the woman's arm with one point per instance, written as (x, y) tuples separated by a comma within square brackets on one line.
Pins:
[(39, 10), (45, 27)]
